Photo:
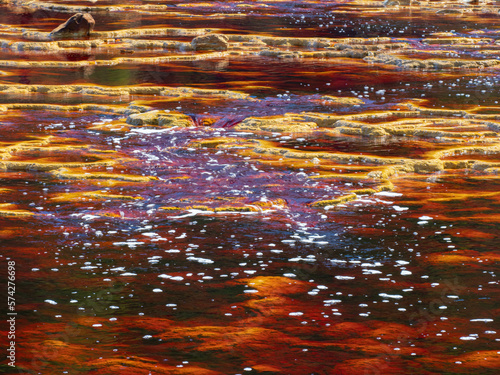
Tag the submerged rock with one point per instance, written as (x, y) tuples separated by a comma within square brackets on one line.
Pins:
[(79, 24), (160, 118), (210, 42)]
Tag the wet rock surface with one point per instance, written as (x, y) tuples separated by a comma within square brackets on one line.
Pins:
[(78, 25)]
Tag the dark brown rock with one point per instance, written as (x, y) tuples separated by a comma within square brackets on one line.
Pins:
[(79, 24), (210, 42)]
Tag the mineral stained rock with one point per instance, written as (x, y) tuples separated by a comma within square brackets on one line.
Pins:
[(79, 24), (210, 42), (160, 118)]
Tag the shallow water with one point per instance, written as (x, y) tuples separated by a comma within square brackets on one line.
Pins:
[(283, 213)]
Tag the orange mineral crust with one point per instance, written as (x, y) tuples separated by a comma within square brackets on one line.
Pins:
[(249, 187)]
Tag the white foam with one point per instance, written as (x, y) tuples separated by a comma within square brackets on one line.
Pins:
[(388, 194), (200, 260), (396, 296)]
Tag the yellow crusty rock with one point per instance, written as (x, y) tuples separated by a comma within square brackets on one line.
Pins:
[(210, 42), (113, 61), (10, 210), (42, 165), (433, 64), (80, 174), (175, 119), (297, 42), (236, 209), (323, 120), (367, 191), (146, 118), (181, 92), (350, 131), (212, 143), (373, 131), (69, 108), (388, 186), (457, 40), (288, 124), (334, 202), (342, 101), (352, 195), (171, 208), (92, 195), (160, 118), (423, 166)]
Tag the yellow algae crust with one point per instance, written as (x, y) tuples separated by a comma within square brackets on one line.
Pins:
[(334, 202), (123, 33), (65, 108), (423, 124), (160, 118), (275, 124), (184, 92), (254, 207), (64, 173), (341, 101), (50, 154), (41, 165), (112, 62), (397, 52), (92, 195), (352, 195), (10, 210)]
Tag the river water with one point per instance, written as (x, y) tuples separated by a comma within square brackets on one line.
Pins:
[(321, 197)]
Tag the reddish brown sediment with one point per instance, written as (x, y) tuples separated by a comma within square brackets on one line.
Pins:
[(142, 366)]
